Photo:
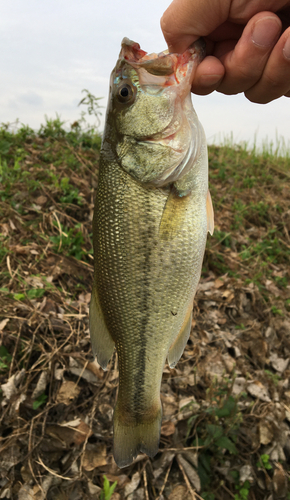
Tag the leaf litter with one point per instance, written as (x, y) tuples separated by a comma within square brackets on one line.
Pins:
[(226, 405)]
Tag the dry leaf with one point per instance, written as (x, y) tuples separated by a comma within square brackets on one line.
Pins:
[(82, 432), (228, 296), (41, 385), (178, 493), (137, 495), (265, 432), (257, 390), (246, 474), (76, 367), (239, 386), (93, 489), (133, 485), (280, 482), (279, 364), (203, 287), (41, 200), (94, 458), (190, 472), (67, 392), (168, 428), (10, 388), (116, 496), (218, 283), (69, 435), (3, 323)]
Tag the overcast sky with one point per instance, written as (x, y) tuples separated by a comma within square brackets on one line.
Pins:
[(52, 49)]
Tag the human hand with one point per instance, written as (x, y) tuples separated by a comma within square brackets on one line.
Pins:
[(248, 44)]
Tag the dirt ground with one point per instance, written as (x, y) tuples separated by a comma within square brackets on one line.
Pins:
[(226, 405)]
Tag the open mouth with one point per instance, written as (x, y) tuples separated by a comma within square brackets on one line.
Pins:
[(174, 67)]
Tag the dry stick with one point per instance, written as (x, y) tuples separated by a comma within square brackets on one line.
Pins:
[(29, 457), (165, 480), (14, 353), (40, 462), (227, 490), (193, 496), (145, 483), (93, 411)]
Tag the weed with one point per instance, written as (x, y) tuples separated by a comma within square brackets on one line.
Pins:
[(243, 491), (107, 490), (5, 358), (70, 241), (276, 311), (93, 107), (264, 462), (223, 238), (53, 128), (216, 432), (70, 193), (39, 401), (274, 377)]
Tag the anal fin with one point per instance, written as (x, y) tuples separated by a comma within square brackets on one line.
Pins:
[(177, 348), (102, 343)]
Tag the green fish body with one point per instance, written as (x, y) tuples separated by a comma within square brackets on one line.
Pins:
[(152, 214)]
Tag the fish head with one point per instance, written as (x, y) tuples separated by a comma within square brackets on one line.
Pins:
[(150, 114)]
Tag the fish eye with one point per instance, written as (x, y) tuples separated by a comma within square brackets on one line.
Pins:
[(125, 92)]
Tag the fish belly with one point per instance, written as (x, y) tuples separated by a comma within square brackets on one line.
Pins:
[(149, 246)]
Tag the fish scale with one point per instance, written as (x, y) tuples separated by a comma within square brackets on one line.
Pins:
[(148, 245)]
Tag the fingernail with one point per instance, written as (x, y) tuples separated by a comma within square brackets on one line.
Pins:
[(286, 49), (266, 31)]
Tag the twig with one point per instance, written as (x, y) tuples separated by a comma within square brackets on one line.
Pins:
[(193, 496), (40, 462), (227, 490), (165, 480), (145, 484)]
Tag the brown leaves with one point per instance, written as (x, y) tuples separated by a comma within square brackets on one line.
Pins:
[(67, 392), (94, 457)]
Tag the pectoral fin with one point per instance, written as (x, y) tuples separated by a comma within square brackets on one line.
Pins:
[(210, 214), (173, 216), (177, 348), (102, 342)]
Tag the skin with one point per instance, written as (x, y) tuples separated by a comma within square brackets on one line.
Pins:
[(248, 45)]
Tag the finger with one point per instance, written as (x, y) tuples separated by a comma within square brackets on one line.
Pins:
[(275, 80), (208, 76), (245, 64), (186, 20)]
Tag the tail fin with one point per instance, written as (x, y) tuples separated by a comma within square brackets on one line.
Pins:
[(132, 437)]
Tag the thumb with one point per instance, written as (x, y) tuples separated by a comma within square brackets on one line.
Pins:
[(184, 21)]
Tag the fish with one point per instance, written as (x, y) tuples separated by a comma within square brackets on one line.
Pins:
[(152, 214)]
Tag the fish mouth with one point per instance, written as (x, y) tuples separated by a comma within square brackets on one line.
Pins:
[(173, 67)]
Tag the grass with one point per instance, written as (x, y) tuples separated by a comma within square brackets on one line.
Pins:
[(48, 178)]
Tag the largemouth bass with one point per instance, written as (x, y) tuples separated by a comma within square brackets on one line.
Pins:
[(152, 214)]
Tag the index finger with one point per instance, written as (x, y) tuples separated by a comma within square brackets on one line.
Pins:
[(186, 20)]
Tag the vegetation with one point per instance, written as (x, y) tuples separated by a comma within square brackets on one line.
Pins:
[(226, 405)]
